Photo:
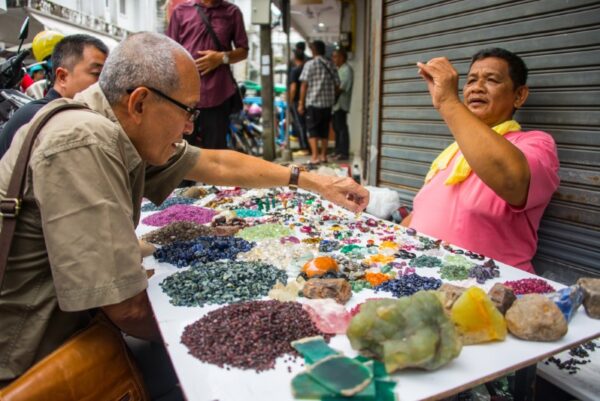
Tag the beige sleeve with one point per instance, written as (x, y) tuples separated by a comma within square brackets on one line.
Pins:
[(162, 180), (86, 213)]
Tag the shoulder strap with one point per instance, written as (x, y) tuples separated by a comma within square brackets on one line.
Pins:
[(10, 205), (212, 33), (328, 70)]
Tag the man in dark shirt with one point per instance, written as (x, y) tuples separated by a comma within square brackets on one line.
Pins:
[(294, 82), (217, 87), (77, 61)]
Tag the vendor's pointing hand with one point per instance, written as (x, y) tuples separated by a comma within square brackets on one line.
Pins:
[(345, 192), (208, 61), (442, 81)]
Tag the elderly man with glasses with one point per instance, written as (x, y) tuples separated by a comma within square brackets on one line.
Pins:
[(75, 247)]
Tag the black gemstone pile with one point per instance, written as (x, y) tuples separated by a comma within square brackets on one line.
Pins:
[(409, 284), (202, 250)]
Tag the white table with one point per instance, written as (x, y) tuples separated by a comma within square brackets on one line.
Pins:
[(475, 365)]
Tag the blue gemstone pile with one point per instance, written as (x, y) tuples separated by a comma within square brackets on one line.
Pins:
[(409, 284), (175, 200), (202, 250)]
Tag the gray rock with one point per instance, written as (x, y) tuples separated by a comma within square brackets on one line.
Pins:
[(591, 296), (534, 317), (502, 296)]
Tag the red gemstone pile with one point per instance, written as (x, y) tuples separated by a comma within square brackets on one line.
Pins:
[(529, 286)]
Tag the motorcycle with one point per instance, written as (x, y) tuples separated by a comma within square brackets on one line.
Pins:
[(11, 74)]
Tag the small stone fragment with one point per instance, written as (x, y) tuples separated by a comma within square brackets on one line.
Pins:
[(502, 296), (194, 192), (287, 292), (450, 294), (313, 349), (336, 288), (591, 296), (534, 317)]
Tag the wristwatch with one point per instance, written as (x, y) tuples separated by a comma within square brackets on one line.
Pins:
[(225, 57), (294, 177)]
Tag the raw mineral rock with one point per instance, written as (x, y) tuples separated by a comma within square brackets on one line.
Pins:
[(568, 300), (336, 288), (320, 266), (450, 294), (591, 296), (412, 331), (535, 317), (502, 296), (477, 318)]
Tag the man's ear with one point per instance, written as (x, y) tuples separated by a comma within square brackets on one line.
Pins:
[(521, 95), (137, 103), (60, 76)]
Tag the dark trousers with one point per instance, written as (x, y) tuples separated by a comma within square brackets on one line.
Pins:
[(210, 130), (342, 135), (156, 368), (299, 122)]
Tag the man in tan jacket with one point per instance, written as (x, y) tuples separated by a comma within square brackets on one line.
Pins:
[(75, 247)]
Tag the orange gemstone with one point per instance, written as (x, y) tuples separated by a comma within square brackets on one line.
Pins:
[(319, 266)]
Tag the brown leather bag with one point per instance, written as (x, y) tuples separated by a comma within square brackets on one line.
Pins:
[(94, 364)]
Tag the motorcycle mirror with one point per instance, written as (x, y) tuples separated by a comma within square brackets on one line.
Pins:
[(24, 29)]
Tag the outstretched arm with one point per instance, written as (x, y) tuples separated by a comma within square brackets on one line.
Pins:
[(225, 167)]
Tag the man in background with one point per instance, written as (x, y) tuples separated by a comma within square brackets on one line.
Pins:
[(77, 61), (317, 96), (298, 120), (217, 86), (342, 105)]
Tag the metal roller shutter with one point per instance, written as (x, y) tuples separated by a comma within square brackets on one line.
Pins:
[(560, 42)]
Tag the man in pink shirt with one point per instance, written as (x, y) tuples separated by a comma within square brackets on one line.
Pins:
[(486, 192)]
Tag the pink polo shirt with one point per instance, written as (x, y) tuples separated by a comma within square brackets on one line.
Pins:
[(474, 217)]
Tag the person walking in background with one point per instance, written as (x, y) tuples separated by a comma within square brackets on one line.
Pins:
[(219, 92), (298, 120), (342, 105), (320, 82)]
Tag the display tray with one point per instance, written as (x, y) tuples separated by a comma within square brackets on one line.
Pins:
[(476, 363)]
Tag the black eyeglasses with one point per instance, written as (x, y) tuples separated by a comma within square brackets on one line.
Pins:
[(193, 112)]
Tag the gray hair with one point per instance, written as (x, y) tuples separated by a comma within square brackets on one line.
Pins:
[(142, 59)]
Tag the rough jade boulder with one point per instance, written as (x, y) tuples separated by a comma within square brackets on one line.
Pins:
[(534, 317), (410, 332)]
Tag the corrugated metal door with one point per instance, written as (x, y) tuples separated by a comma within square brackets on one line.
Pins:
[(560, 42)]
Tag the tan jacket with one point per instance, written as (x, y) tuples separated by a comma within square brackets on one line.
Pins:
[(75, 246)]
